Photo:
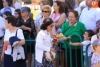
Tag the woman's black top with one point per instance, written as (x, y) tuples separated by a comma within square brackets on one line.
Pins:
[(28, 23)]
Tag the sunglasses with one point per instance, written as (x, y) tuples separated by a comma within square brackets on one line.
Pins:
[(45, 11)]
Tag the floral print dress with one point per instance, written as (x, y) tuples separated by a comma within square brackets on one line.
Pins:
[(95, 59)]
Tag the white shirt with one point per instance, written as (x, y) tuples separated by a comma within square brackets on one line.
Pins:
[(12, 9), (17, 5), (8, 35), (2, 25), (43, 43), (90, 17), (85, 43)]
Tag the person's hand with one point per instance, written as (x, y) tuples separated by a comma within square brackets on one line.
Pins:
[(2, 57), (7, 43), (23, 27), (70, 43), (52, 49), (68, 38)]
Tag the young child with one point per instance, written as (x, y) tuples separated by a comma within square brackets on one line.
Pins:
[(95, 61), (87, 37)]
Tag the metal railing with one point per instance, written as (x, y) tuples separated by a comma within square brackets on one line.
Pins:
[(73, 56)]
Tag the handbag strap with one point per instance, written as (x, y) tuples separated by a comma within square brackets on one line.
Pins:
[(70, 26), (16, 32)]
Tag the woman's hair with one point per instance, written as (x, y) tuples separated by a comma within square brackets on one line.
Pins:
[(19, 12), (46, 23), (70, 3), (97, 30), (7, 13), (11, 19), (61, 6), (90, 33), (47, 7), (75, 13), (46, 2)]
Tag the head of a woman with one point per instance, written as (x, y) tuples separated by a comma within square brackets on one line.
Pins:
[(17, 13), (10, 22), (58, 6), (47, 24), (46, 11), (73, 16), (44, 2), (25, 11), (7, 14)]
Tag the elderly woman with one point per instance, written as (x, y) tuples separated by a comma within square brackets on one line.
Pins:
[(28, 27), (68, 29), (46, 11), (44, 44)]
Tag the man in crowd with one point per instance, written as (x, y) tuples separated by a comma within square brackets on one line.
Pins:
[(90, 16), (7, 7)]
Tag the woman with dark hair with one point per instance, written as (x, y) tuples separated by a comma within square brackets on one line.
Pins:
[(58, 16), (44, 44), (18, 16), (9, 59)]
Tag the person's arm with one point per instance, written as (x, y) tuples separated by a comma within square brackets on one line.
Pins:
[(61, 20), (83, 29), (97, 14), (76, 44)]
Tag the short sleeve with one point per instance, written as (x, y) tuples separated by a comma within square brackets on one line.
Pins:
[(86, 43), (64, 26), (20, 34), (5, 35), (83, 28)]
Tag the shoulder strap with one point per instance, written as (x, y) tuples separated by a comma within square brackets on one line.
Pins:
[(16, 32), (70, 26), (97, 36)]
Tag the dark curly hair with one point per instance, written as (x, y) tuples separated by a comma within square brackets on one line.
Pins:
[(61, 6), (46, 23)]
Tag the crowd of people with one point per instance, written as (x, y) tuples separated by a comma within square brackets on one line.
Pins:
[(60, 18)]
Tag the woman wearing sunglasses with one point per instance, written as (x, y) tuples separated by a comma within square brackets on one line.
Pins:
[(46, 11)]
